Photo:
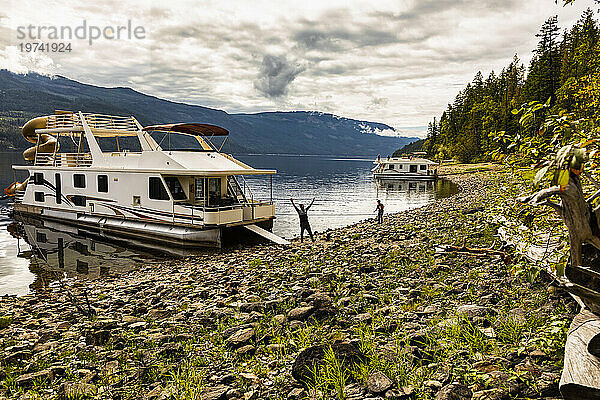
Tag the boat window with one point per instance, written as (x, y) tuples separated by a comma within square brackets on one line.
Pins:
[(113, 144), (214, 190), (103, 183), (156, 189), (79, 201), (82, 267), (79, 180), (41, 237), (70, 144), (413, 168), (175, 188), (38, 178), (176, 141), (400, 166), (423, 167), (390, 166), (39, 196)]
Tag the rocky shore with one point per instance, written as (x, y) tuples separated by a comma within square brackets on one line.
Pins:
[(367, 312)]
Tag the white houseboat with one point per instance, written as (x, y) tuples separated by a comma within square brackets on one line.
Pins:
[(410, 167), (110, 174)]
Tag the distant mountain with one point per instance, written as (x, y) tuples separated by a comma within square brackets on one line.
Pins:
[(410, 148), (25, 96)]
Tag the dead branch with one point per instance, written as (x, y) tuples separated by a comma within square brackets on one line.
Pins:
[(473, 251), (538, 198)]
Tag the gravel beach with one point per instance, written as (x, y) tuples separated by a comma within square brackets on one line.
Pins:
[(366, 312)]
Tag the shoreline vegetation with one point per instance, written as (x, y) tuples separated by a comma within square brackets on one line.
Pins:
[(522, 113), (368, 311)]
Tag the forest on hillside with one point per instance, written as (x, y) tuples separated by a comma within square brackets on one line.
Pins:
[(524, 111)]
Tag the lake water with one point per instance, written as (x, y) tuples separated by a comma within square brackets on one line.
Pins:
[(37, 253)]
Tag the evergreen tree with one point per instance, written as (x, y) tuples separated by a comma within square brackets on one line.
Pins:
[(480, 123)]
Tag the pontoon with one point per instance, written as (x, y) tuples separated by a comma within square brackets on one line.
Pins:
[(111, 174)]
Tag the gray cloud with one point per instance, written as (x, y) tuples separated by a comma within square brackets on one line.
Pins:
[(342, 38), (378, 103), (390, 63), (275, 75)]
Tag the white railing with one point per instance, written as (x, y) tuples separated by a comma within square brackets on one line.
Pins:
[(63, 121), (101, 121), (64, 159), (94, 121)]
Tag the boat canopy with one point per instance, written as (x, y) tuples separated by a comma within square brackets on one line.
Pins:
[(190, 128)]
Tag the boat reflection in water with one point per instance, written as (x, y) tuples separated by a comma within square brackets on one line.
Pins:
[(56, 250), (438, 188)]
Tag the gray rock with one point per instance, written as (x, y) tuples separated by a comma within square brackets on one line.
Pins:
[(246, 350), (97, 338), (300, 313), (365, 318), (172, 350), (26, 380), (215, 393), (454, 391), (378, 382), (275, 347), (319, 300), (433, 385), (295, 325), (155, 394), (240, 338), (404, 393), (297, 394), (253, 306), (77, 391), (230, 331), (234, 393), (17, 357), (137, 326), (473, 310), (306, 361)]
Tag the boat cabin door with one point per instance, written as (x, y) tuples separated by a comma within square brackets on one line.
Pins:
[(208, 191)]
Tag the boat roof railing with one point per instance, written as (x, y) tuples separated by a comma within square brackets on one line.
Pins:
[(113, 125), (103, 125), (404, 160), (67, 122), (90, 125)]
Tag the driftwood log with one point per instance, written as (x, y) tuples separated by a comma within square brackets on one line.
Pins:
[(580, 378), (577, 213), (582, 222)]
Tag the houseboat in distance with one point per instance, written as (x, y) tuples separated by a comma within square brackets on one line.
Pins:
[(413, 167), (110, 174)]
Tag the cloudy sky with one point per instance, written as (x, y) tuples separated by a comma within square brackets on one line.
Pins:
[(397, 62)]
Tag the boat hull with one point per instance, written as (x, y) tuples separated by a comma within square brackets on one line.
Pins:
[(406, 176), (178, 235)]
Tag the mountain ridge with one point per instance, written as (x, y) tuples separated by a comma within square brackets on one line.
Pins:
[(277, 132)]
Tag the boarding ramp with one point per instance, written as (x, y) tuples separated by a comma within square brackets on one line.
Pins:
[(266, 234)]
